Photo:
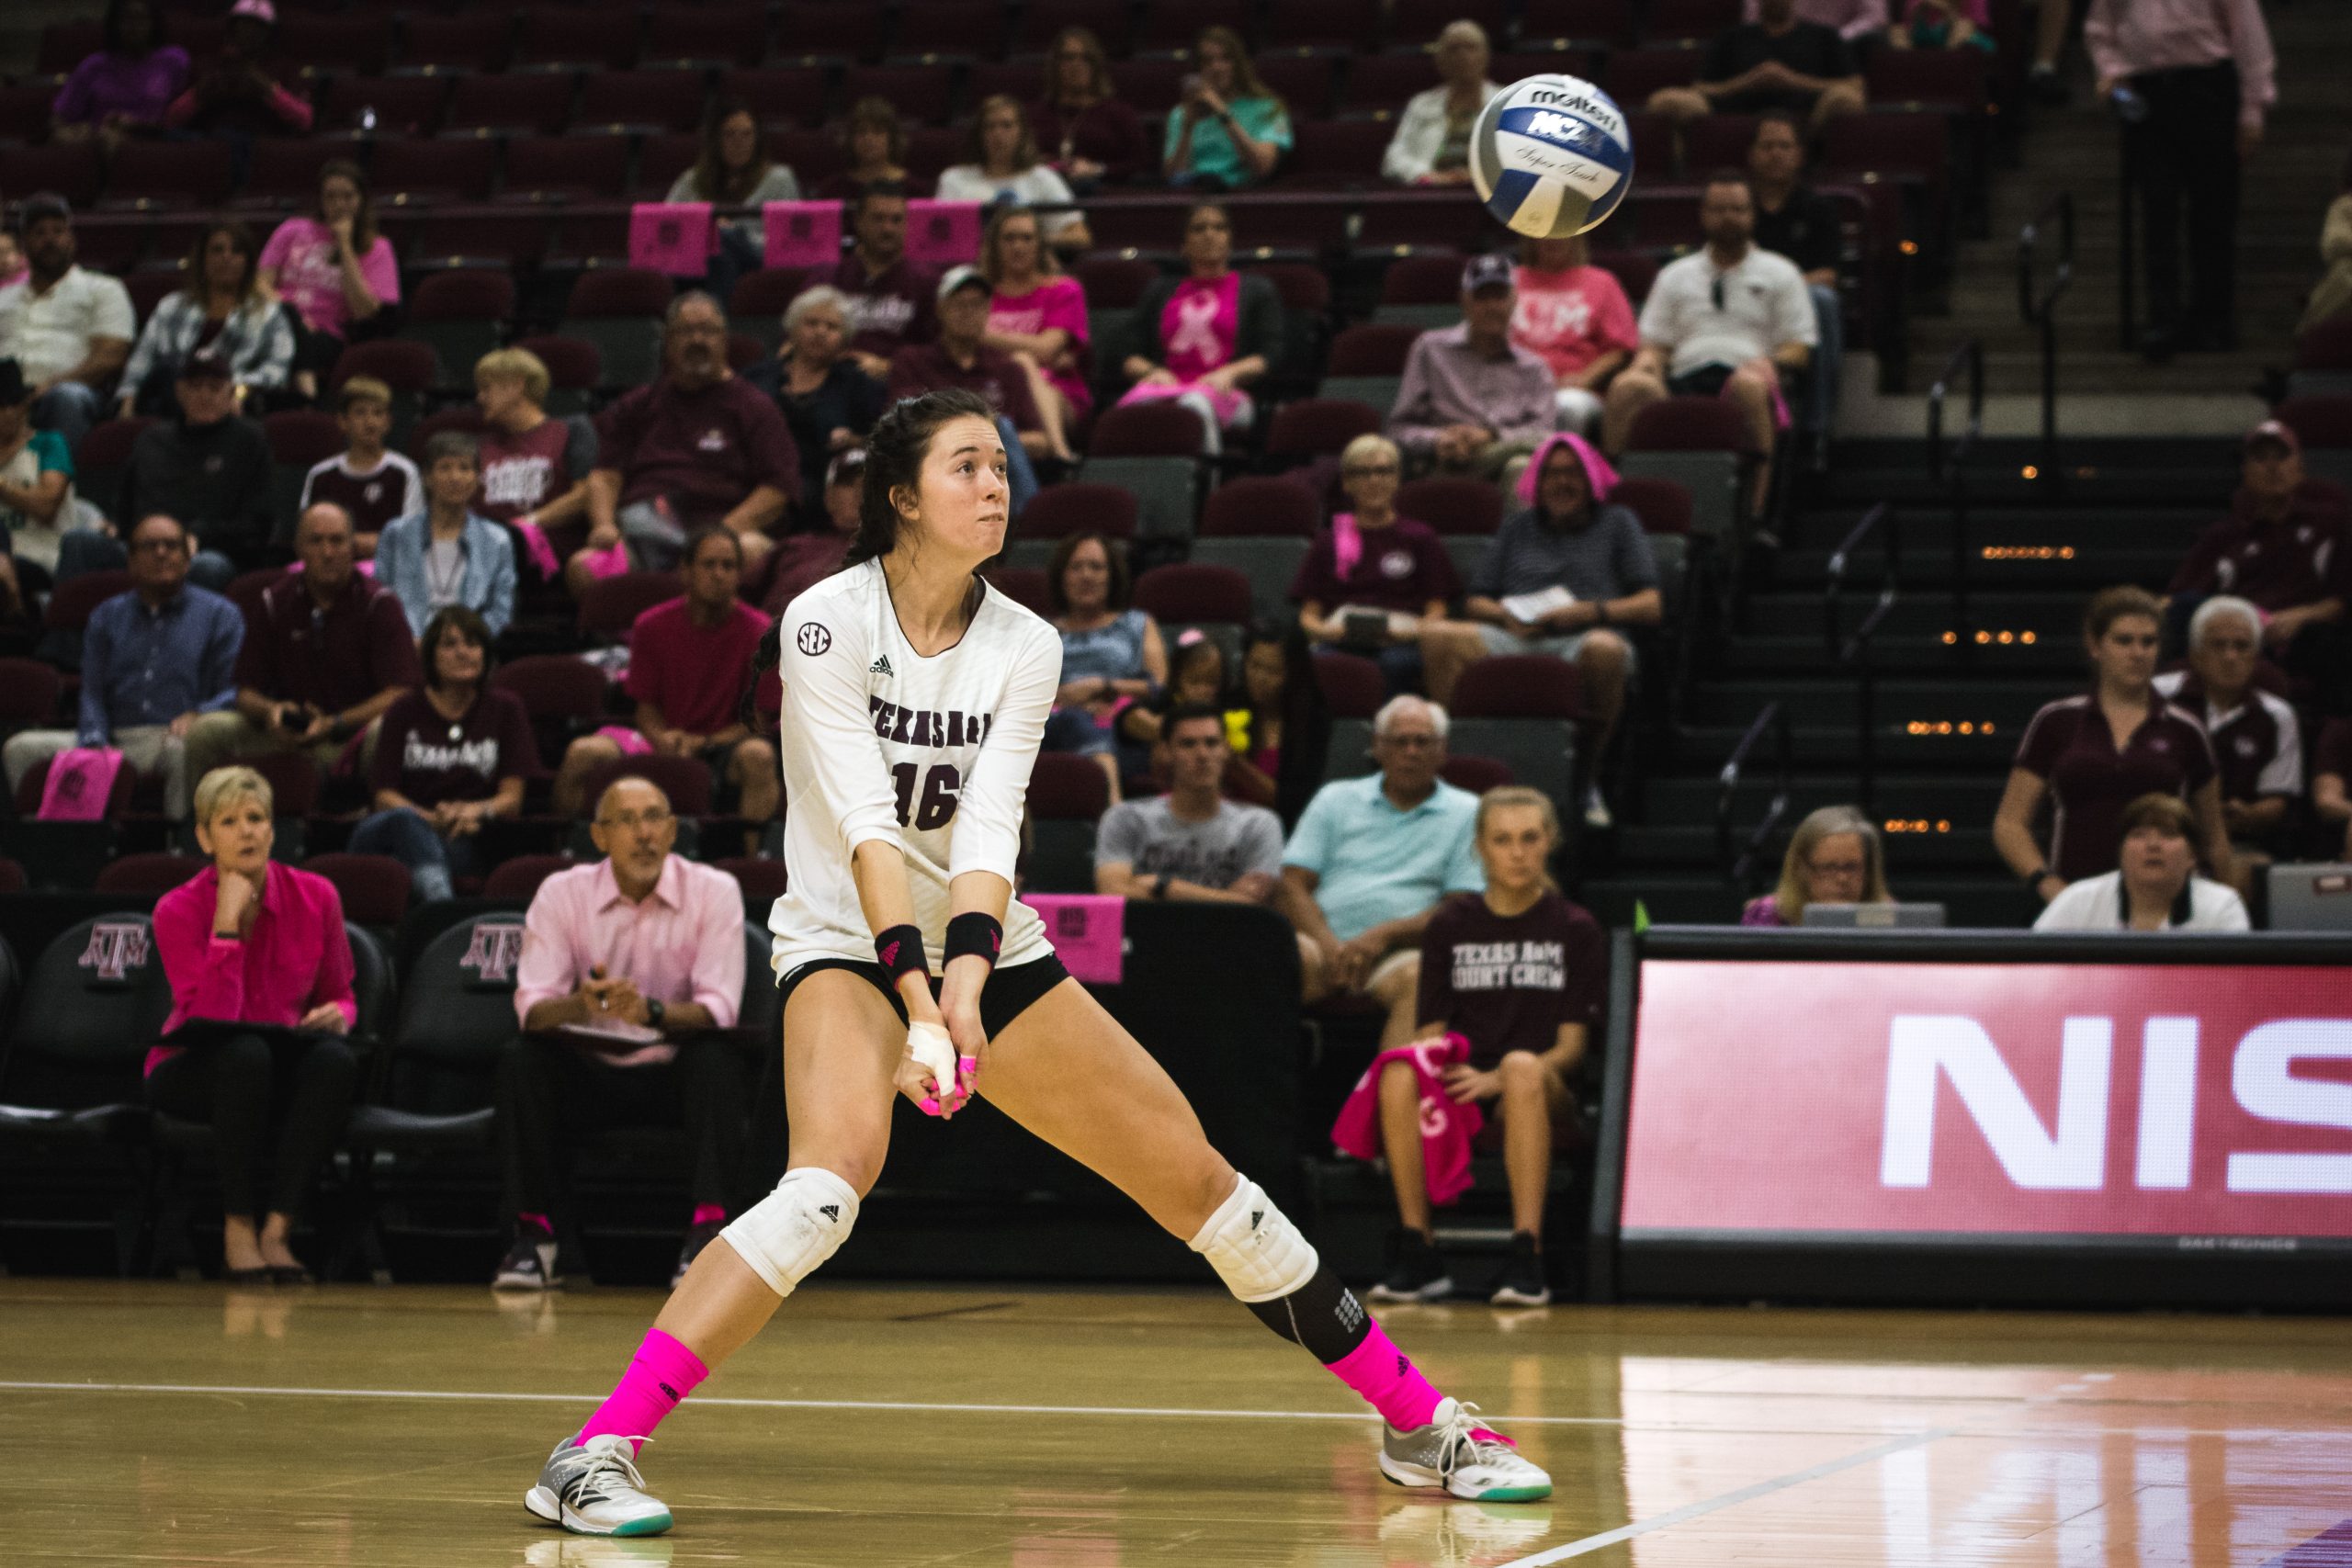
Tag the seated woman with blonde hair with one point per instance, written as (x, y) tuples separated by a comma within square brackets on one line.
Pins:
[(1835, 857), (249, 941)]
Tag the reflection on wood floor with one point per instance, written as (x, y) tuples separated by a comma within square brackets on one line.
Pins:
[(169, 1424)]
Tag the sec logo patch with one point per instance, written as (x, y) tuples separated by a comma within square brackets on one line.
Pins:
[(813, 638)]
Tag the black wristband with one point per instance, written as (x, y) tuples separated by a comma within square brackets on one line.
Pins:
[(2033, 878), (900, 949), (975, 935)]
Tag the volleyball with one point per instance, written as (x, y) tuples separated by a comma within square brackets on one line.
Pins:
[(1551, 156)]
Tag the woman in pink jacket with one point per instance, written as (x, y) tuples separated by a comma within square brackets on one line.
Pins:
[(250, 941)]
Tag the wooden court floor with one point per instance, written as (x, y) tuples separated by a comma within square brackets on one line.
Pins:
[(172, 1423)]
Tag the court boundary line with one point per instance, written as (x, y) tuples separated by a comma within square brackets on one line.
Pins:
[(1705, 1506)]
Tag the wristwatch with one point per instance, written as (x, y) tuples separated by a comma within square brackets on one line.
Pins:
[(654, 1013)]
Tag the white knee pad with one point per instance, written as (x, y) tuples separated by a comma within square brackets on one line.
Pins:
[(786, 1234), (1254, 1248)]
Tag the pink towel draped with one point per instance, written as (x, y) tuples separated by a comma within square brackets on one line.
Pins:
[(1597, 471), (81, 778), (1447, 1128)]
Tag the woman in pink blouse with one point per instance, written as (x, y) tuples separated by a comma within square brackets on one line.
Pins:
[(336, 270), (250, 941), (1038, 314)]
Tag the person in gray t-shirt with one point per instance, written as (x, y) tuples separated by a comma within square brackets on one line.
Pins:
[(1190, 843), (1570, 539)]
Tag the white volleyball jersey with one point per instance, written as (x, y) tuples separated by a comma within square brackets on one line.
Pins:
[(932, 755)]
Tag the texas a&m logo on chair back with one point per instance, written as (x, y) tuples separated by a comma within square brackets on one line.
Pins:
[(491, 952), (115, 949)]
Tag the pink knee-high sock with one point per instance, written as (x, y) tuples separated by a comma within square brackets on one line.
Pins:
[(660, 1376), (1389, 1381)]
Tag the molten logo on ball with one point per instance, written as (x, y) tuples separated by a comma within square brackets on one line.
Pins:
[(1550, 156)]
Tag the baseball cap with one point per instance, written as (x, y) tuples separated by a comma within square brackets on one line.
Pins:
[(259, 10), (848, 469), (204, 366), (1489, 271), (2272, 430), (14, 388), (42, 204), (965, 276)]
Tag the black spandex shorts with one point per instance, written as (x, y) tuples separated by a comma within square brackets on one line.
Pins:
[(1706, 382), (1006, 997)]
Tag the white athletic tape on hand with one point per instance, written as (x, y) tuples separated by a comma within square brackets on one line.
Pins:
[(930, 1048)]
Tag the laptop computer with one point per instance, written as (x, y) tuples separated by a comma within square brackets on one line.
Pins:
[(2312, 896), (1875, 916)]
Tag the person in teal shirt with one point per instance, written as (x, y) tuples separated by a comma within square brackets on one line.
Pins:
[(1370, 859), (1231, 129)]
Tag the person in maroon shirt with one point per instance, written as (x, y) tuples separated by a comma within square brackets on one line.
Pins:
[(535, 468), (2257, 736), (959, 359), (2286, 546), (1522, 974), (1090, 135), (1373, 559), (326, 656), (689, 666), (802, 561), (2332, 782), (451, 755), (371, 484), (699, 447), (2093, 755), (893, 300)]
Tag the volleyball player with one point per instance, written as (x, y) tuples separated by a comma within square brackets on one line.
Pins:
[(914, 697)]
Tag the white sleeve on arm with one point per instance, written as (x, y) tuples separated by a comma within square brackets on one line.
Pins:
[(825, 712), (988, 816)]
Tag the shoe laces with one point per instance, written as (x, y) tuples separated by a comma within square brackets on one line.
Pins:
[(590, 1468), (1466, 1440)]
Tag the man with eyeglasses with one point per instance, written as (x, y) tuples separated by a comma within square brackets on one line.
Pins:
[(698, 447), (1471, 399), (1728, 321), (153, 658), (625, 963), (1369, 860)]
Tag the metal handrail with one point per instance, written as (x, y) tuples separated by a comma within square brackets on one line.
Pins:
[(1854, 650), (1949, 468), (1772, 721), (2040, 309)]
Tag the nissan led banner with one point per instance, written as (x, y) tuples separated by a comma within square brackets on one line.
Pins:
[(1865, 1113)]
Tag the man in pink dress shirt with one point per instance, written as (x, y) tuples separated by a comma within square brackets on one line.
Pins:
[(2198, 79), (619, 960)]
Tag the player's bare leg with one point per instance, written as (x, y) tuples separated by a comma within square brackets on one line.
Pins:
[(1069, 1073)]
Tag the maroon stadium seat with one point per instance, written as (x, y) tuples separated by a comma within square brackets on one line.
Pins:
[(523, 103), (1663, 505), (149, 287), (1545, 57), (403, 367), (1344, 25), (1024, 585), (1633, 271), (1688, 424), (923, 94), (1059, 510), (24, 111), (420, 171), (781, 95), (1420, 281), (1335, 153), (282, 173), (2323, 419), (1653, 136), (759, 877), (573, 366), (478, 39), (932, 148), (512, 239), (560, 686), (1065, 787), (145, 876), (1902, 146), (463, 294), (374, 889), (299, 438), (1586, 21), (663, 157), (356, 41), (612, 605), (1635, 74), (1147, 430), (1373, 348), (146, 174), (764, 294), (465, 418), (1383, 83), (1301, 286), (2327, 346), (1113, 282), (814, 156), (592, 37), (1302, 79), (1318, 427), (721, 35), (293, 780), (685, 779), (519, 878), (1477, 774), (744, 351), (1153, 86), (573, 167), (831, 29), (383, 106), (969, 29), (1261, 507), (63, 45), (1519, 685), (1042, 20), (588, 239), (70, 602), (1415, 24), (1439, 220), (246, 589), (1674, 21), (1189, 591), (28, 692), (1175, 24), (1929, 78), (1452, 506), (641, 100), (1352, 686)]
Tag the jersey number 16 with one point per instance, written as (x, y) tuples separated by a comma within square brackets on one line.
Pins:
[(937, 807)]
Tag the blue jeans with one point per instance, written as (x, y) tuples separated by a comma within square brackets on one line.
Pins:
[(432, 861), (70, 407), (85, 550), (1018, 472), (1828, 355)]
